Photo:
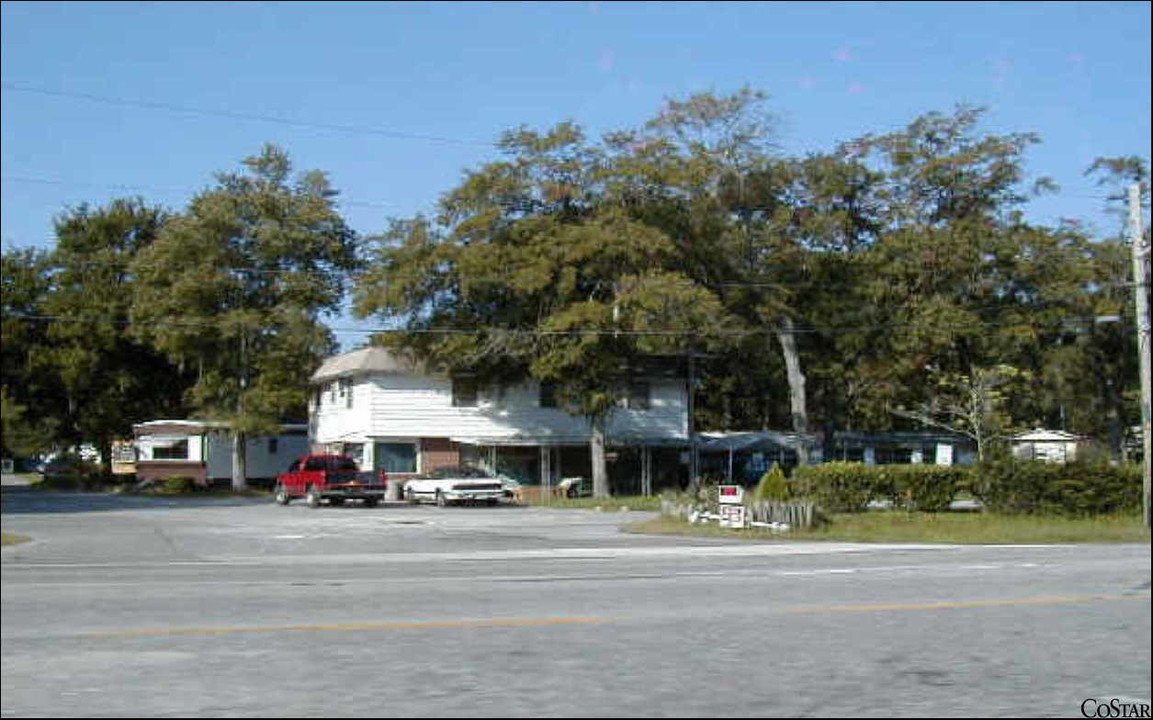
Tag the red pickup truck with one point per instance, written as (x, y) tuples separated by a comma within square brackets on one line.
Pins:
[(334, 478)]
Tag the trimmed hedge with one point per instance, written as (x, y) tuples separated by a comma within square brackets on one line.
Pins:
[(1076, 489), (1003, 485), (850, 487)]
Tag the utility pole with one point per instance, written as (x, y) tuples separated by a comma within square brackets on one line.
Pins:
[(1141, 295), (694, 462)]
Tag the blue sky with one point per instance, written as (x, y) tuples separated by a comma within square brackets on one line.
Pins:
[(92, 92)]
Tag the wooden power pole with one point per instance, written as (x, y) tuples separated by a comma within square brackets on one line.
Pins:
[(1141, 294)]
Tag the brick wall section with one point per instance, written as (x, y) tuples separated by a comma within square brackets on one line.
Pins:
[(437, 453), (160, 470)]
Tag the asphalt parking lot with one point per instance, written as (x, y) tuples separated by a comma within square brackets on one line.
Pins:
[(137, 606)]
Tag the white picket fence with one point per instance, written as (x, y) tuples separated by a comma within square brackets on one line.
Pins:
[(779, 515)]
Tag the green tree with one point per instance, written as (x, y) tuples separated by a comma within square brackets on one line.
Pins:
[(548, 278), (25, 284), (972, 404), (109, 378), (234, 289)]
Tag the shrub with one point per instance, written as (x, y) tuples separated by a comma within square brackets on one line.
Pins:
[(928, 488), (1077, 489), (838, 486), (773, 486), (850, 487), (178, 485)]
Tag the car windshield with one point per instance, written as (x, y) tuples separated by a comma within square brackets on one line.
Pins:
[(459, 472)]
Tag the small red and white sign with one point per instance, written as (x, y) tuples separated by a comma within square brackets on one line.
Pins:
[(731, 495)]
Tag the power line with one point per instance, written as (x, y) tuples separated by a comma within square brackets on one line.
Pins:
[(188, 110), (338, 200), (575, 332)]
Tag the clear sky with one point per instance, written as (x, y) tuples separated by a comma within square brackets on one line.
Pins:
[(396, 100)]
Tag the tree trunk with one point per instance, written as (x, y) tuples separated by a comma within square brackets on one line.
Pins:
[(787, 337), (597, 449), (239, 461), (104, 447)]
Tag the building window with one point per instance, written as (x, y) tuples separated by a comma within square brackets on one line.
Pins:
[(273, 445), (177, 450), (638, 396), (346, 392), (332, 393), (464, 392), (356, 452), (547, 394), (395, 457)]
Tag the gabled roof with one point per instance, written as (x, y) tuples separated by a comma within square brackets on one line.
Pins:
[(364, 361)]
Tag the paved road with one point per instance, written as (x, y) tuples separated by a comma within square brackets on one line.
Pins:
[(140, 606)]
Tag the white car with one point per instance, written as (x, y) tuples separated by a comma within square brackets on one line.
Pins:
[(456, 485)]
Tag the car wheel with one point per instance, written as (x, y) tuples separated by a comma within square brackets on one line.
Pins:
[(282, 497), (370, 502), (440, 501), (312, 498), (410, 496)]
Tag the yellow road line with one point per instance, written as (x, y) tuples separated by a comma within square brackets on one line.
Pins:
[(961, 604), (562, 621), (357, 627)]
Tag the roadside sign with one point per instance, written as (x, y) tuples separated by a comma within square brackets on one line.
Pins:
[(731, 495), (732, 516)]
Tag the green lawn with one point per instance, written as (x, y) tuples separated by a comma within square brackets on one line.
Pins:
[(950, 527), (635, 502)]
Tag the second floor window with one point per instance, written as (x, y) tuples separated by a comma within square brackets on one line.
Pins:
[(464, 392), (638, 396), (547, 394)]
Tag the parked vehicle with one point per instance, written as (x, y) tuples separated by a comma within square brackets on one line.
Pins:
[(462, 484), (331, 478)]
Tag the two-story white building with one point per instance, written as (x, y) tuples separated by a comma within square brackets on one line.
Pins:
[(389, 411)]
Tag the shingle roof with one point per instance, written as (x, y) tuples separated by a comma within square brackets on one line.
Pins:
[(366, 360)]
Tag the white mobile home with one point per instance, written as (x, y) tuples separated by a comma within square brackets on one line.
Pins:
[(202, 450)]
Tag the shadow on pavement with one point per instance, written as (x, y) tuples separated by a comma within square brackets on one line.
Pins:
[(18, 500)]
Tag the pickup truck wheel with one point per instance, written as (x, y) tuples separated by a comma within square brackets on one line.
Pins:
[(312, 498), (440, 501), (282, 497)]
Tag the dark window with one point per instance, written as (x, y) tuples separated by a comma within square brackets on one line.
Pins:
[(343, 463), (547, 394), (638, 398), (273, 445), (316, 463), (464, 391), (295, 466), (173, 451), (395, 457)]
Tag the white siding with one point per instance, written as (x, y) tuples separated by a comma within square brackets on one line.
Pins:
[(415, 406)]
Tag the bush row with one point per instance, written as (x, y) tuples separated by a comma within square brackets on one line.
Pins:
[(1003, 485), (850, 487), (1078, 488)]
